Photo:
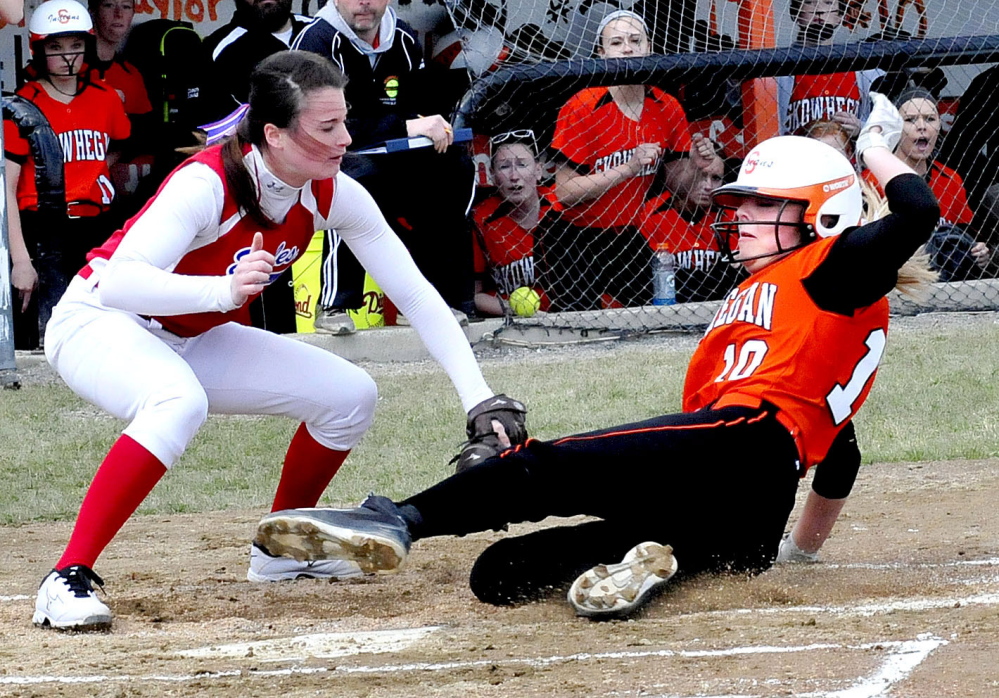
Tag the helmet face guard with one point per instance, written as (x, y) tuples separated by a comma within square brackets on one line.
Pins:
[(791, 171), (727, 233)]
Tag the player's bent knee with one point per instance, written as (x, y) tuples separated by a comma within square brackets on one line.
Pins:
[(168, 421), (502, 577), (343, 424)]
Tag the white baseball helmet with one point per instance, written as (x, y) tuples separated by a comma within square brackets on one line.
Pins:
[(59, 17), (794, 169)]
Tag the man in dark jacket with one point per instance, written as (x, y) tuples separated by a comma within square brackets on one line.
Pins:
[(258, 29), (425, 192)]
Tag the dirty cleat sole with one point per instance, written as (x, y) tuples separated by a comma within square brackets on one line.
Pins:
[(298, 534), (618, 591)]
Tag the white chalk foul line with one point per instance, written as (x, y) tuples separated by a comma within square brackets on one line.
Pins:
[(19, 597), (864, 610), (319, 645), (990, 562), (897, 666), (920, 647)]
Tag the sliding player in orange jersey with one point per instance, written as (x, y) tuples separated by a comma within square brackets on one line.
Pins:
[(785, 364)]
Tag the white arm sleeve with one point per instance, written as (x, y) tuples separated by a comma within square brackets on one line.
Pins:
[(184, 215), (356, 218)]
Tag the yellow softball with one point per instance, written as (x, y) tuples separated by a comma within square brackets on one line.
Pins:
[(525, 301)]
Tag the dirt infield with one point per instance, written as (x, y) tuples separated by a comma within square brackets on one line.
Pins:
[(904, 605)]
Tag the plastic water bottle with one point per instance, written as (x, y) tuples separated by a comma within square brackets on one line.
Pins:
[(663, 277)]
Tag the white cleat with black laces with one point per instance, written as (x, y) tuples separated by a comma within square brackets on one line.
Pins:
[(618, 591), (67, 601), (265, 567)]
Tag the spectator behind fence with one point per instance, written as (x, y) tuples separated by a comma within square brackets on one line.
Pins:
[(509, 224), (839, 97), (953, 249), (424, 192), (609, 144), (86, 117), (258, 29), (112, 21), (681, 220)]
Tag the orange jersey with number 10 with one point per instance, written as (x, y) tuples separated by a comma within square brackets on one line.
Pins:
[(770, 342)]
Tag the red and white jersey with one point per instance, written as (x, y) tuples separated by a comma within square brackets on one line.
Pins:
[(503, 249), (948, 187), (218, 257), (805, 98), (592, 135), (769, 342), (693, 244), (85, 128)]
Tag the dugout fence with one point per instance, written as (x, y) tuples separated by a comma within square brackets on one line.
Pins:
[(732, 96)]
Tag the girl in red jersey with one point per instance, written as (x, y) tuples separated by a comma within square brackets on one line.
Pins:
[(952, 247), (682, 219), (154, 328), (609, 144), (508, 225), (86, 117), (112, 22), (771, 390)]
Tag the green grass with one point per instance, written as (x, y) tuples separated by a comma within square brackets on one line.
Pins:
[(936, 398)]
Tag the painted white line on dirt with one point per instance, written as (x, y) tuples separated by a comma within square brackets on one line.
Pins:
[(864, 609), (320, 645), (448, 666), (19, 597), (991, 562), (898, 665)]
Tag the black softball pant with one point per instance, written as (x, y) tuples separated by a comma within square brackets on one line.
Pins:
[(717, 485)]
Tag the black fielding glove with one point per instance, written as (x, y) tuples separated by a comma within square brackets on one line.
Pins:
[(483, 442)]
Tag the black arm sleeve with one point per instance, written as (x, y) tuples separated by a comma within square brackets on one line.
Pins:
[(835, 475), (863, 264)]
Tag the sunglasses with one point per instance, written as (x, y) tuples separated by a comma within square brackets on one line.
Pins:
[(523, 135)]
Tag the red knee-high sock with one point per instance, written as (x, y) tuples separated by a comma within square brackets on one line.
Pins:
[(308, 468), (129, 473)]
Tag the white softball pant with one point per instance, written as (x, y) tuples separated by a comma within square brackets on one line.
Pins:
[(166, 385)]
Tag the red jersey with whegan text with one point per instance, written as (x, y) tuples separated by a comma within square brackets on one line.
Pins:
[(508, 256), (693, 244), (594, 136), (286, 241), (85, 128), (948, 187), (820, 97), (769, 342)]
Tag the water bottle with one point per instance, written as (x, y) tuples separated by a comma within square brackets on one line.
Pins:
[(663, 277)]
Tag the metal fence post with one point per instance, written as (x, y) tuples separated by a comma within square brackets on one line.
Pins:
[(8, 369)]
